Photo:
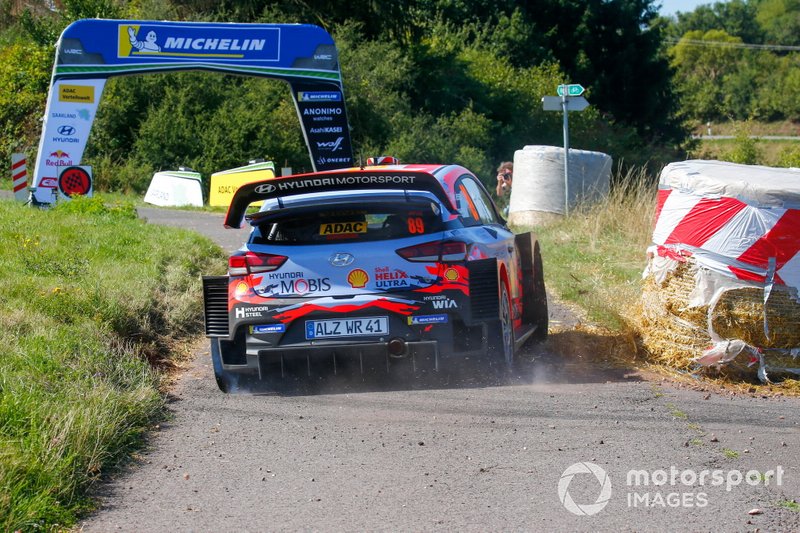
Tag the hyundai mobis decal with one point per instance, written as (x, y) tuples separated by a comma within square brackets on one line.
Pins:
[(93, 50)]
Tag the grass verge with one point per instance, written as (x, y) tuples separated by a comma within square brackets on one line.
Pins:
[(595, 257), (91, 301)]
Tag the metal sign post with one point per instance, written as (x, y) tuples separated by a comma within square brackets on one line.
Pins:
[(569, 99)]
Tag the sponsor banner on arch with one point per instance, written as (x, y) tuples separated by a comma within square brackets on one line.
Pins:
[(71, 108), (90, 51)]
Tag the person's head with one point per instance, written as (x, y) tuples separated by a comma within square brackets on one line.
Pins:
[(505, 171)]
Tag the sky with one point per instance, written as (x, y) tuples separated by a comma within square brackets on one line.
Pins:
[(670, 7)]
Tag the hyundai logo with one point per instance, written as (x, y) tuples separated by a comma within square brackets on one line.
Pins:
[(341, 259), (265, 189), (66, 130)]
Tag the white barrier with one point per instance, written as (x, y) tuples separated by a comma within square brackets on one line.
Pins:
[(538, 193)]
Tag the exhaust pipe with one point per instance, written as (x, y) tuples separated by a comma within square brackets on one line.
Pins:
[(397, 348)]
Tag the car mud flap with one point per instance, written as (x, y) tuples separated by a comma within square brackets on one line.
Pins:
[(215, 306), (483, 290)]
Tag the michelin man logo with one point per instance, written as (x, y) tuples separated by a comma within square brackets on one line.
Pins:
[(602, 498), (149, 43)]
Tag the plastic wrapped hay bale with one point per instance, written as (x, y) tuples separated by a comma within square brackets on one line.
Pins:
[(675, 331), (724, 268), (538, 193)]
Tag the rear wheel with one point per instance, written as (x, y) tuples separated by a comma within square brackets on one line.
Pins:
[(223, 378), (501, 339), (507, 327)]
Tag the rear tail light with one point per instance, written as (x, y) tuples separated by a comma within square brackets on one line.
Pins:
[(254, 263), (442, 251)]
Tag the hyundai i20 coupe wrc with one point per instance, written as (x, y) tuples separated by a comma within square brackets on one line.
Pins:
[(369, 268)]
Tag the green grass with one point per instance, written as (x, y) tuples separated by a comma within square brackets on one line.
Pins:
[(91, 298), (790, 504), (596, 255), (730, 454)]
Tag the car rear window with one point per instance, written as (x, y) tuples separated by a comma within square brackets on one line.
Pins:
[(372, 223)]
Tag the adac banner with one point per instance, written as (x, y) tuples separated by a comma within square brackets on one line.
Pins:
[(92, 50)]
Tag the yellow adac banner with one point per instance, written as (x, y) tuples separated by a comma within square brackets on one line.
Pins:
[(226, 182)]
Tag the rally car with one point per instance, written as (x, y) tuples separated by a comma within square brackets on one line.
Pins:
[(368, 268)]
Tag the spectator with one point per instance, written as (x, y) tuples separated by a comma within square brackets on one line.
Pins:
[(505, 173)]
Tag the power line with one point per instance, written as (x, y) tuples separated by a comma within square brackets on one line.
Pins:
[(723, 44)]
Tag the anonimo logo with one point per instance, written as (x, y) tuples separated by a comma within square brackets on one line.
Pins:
[(602, 498)]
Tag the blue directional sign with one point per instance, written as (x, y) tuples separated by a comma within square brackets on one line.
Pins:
[(573, 89)]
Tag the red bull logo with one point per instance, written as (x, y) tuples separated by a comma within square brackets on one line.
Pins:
[(59, 158)]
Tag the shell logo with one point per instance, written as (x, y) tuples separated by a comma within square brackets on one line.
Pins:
[(241, 289), (357, 278), (451, 274)]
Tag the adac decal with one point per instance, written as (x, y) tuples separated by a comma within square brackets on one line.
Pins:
[(319, 96), (267, 328), (358, 278), (427, 319), (198, 42), (388, 278), (76, 94), (342, 228)]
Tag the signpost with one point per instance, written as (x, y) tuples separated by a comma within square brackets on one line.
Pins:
[(573, 89), (569, 99)]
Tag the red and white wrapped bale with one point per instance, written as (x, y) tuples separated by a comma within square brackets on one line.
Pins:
[(724, 267)]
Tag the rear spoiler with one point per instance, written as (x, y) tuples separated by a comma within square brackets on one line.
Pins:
[(330, 181)]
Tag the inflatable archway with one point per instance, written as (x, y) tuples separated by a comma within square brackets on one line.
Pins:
[(91, 51)]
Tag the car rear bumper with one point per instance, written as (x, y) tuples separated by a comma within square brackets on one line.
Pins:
[(353, 358)]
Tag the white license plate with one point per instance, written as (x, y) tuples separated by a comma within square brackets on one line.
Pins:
[(347, 327)]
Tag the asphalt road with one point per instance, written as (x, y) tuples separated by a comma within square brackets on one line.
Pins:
[(461, 452)]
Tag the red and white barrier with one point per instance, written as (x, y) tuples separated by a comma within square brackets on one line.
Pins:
[(740, 221), (19, 176), (740, 225)]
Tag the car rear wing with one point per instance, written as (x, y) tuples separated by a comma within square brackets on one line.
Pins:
[(347, 180)]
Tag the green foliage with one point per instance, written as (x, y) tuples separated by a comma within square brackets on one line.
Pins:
[(780, 21), (24, 77), (718, 81), (789, 157), (700, 71), (746, 149), (79, 319), (96, 206)]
